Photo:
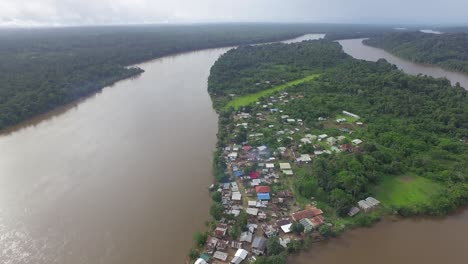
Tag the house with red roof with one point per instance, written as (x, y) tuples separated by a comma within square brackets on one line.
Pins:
[(262, 189), (307, 213), (246, 148), (254, 175)]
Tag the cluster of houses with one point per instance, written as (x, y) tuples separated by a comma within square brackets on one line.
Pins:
[(256, 188), (271, 212)]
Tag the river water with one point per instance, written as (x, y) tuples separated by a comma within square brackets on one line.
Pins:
[(120, 177), (403, 241)]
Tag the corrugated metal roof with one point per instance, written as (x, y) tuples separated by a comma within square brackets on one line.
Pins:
[(263, 196)]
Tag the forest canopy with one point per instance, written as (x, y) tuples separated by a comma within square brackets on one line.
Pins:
[(448, 50), (416, 130), (44, 68)]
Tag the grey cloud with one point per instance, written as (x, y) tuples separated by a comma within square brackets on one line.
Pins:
[(91, 12)]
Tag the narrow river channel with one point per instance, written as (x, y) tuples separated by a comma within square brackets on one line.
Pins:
[(403, 241), (118, 178)]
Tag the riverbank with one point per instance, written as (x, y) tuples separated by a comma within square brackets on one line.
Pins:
[(358, 50), (79, 164), (80, 62), (447, 51), (274, 169)]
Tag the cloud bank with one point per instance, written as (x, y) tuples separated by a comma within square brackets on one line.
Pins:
[(99, 12)]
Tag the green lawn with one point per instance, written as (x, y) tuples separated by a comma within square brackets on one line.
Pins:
[(252, 98), (348, 118), (407, 191)]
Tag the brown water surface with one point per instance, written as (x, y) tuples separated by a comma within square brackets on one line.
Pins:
[(117, 178), (355, 48), (409, 241)]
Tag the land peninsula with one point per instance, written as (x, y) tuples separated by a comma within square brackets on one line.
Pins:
[(312, 142)]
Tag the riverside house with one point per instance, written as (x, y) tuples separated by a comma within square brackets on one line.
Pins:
[(260, 170)]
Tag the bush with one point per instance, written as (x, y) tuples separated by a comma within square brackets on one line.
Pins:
[(217, 197), (193, 254), (297, 228), (295, 246), (217, 210), (326, 231), (274, 247), (234, 232), (366, 220), (200, 239), (278, 259)]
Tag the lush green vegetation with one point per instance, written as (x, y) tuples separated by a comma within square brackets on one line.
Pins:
[(252, 69), (408, 191), (415, 126), (43, 68), (245, 100), (449, 51), (414, 155)]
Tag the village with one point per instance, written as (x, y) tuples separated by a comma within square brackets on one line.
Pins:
[(267, 148)]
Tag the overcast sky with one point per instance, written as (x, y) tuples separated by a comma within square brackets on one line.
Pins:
[(92, 12)]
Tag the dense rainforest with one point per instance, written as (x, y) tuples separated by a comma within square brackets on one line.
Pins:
[(249, 69), (449, 50), (416, 132), (44, 68)]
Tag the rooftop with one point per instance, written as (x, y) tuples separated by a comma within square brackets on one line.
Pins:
[(307, 213)]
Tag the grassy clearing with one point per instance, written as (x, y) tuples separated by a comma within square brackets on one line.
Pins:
[(407, 191), (349, 119), (252, 98)]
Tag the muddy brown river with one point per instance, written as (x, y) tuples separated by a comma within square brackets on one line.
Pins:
[(121, 177), (405, 241), (118, 178)]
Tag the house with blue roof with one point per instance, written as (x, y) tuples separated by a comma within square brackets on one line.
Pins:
[(263, 196), (238, 173)]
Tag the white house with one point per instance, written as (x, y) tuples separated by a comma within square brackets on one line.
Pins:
[(331, 141), (220, 255), (323, 136), (241, 254), (200, 261), (285, 166), (236, 196), (252, 211), (368, 204), (351, 114), (304, 158), (232, 156)]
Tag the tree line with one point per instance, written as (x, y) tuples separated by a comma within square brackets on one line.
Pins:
[(448, 50), (416, 125)]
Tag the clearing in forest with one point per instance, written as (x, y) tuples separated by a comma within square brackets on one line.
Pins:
[(252, 98), (407, 191)]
